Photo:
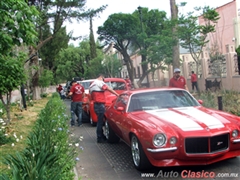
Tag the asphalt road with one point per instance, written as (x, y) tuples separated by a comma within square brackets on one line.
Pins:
[(113, 161)]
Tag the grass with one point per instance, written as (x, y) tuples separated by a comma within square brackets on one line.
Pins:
[(21, 125)]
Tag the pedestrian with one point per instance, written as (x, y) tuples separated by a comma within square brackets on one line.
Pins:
[(77, 94), (129, 83), (194, 81), (62, 92), (59, 88), (96, 90), (177, 80)]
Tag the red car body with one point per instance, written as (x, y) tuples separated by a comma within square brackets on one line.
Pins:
[(190, 133), (117, 84)]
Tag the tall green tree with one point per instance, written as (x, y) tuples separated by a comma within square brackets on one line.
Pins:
[(52, 31), (17, 28), (121, 30), (154, 41), (71, 62), (75, 62), (194, 36)]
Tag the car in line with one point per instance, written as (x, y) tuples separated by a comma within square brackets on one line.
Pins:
[(117, 84), (169, 127)]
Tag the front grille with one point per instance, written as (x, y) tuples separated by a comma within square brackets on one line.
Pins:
[(205, 145)]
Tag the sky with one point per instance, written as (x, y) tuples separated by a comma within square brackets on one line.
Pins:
[(129, 6)]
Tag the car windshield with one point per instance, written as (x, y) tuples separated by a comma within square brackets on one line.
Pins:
[(117, 85), (86, 84), (160, 100)]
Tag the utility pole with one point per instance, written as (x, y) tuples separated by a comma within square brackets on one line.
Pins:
[(174, 16)]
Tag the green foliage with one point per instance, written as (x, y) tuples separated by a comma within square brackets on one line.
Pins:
[(230, 100), (193, 36), (76, 62), (112, 65), (11, 73), (17, 28), (48, 154), (46, 78), (148, 32), (16, 24)]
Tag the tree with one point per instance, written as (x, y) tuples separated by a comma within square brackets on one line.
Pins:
[(70, 62), (174, 16), (120, 29), (193, 36), (50, 27), (154, 41), (112, 65), (16, 28), (74, 62)]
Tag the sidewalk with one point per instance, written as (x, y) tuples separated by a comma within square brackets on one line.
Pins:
[(91, 164)]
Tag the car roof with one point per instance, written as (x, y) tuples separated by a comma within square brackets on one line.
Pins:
[(114, 79), (87, 80)]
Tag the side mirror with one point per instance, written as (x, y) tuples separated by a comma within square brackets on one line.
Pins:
[(120, 108), (200, 101)]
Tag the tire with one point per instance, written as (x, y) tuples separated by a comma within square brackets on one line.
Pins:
[(139, 158), (91, 121), (110, 134)]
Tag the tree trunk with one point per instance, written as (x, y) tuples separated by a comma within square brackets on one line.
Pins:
[(174, 15)]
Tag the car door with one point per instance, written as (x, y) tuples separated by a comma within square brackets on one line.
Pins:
[(118, 114)]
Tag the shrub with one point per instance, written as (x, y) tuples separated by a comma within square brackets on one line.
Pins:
[(48, 154), (230, 100)]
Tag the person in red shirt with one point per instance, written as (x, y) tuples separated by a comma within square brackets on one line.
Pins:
[(96, 90), (77, 94), (129, 83), (177, 80), (59, 88), (194, 81)]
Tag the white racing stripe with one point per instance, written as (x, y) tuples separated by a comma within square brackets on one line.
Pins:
[(188, 122), (210, 121), (183, 122)]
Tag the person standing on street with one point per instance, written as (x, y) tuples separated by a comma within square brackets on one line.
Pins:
[(96, 90), (194, 81), (77, 93), (177, 80), (59, 88), (129, 82)]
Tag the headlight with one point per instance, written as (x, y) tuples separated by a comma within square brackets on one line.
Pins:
[(159, 139), (235, 133), (173, 140)]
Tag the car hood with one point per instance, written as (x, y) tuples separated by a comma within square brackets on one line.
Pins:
[(186, 118)]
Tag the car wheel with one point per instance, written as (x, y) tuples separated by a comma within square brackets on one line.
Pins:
[(140, 160), (91, 121), (110, 134)]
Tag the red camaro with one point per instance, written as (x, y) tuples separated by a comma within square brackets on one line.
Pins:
[(169, 127), (117, 84)]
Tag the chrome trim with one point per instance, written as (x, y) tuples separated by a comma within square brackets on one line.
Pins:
[(162, 149), (236, 140)]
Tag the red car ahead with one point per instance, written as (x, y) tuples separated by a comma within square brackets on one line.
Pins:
[(117, 84), (169, 127)]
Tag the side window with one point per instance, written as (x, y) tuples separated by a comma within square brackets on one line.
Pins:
[(121, 101)]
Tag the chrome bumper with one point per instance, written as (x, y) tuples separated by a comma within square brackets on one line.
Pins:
[(162, 149)]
